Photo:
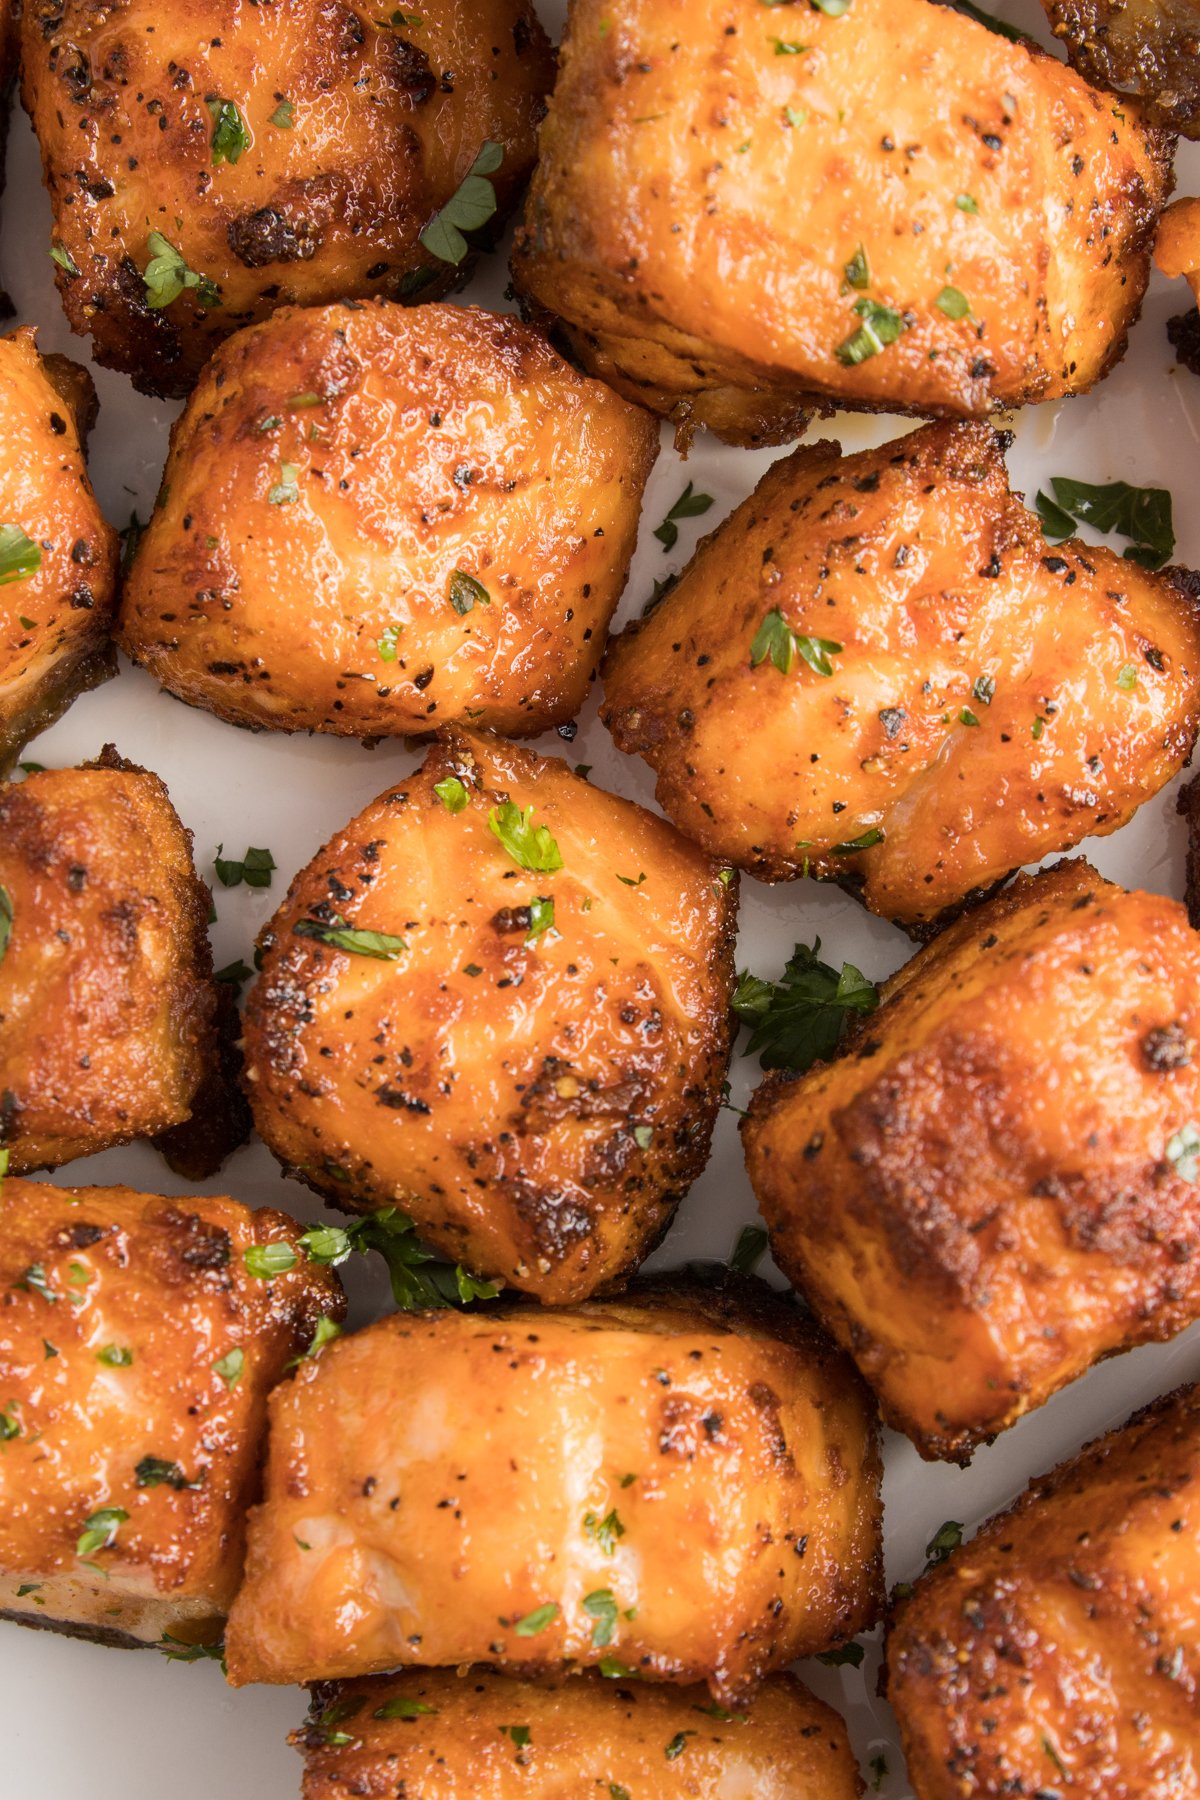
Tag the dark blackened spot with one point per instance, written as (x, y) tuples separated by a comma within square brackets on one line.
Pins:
[(892, 718), (269, 236), (1167, 1047)]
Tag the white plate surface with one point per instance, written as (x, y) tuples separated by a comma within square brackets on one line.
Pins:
[(80, 1721)]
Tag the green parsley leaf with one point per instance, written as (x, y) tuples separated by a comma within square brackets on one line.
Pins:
[(987, 19), (177, 1649), (9, 1428), (866, 840), (266, 1260), (1054, 1757), (878, 1766), (776, 639), (284, 115), (287, 489), (845, 1654), (231, 1366), (795, 115), (340, 936), (401, 1707), (678, 1745), (156, 1471), (751, 1246), (1183, 1153), (784, 48), (254, 868), (334, 1715), (326, 1331), (881, 326), (234, 974), (601, 1606), (617, 1792), (966, 203), (64, 259), (167, 276), (953, 302), (536, 1621), (387, 642), (520, 1734), (1037, 728), (946, 1538), (613, 1669), (541, 917), (799, 1020), (531, 847), (469, 208), (1056, 524), (858, 271), (100, 1530), (605, 1532), (452, 794), (115, 1356), (20, 557), (643, 1136), (1127, 678), (230, 136), (984, 689), (131, 537), (1143, 515), (967, 717), (689, 505), (471, 1287), (6, 919), (29, 1587), (466, 592), (631, 881), (34, 1281)]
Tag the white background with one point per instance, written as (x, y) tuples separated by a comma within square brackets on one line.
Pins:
[(109, 1725)]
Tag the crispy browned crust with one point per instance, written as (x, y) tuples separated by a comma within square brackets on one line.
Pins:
[(586, 1735), (54, 623), (927, 574), (1147, 48), (450, 439), (101, 1039), (387, 119), (1054, 1652), (587, 1064), (976, 1208), (738, 1450), (220, 1119), (89, 1634), (163, 1282), (641, 191)]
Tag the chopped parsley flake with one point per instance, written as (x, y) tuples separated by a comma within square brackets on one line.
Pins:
[(776, 639), (689, 505), (881, 325), (20, 557), (531, 847), (468, 208), (167, 276), (230, 136), (339, 936)]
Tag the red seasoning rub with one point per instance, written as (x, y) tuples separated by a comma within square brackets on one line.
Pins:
[(774, 210), (499, 999), (110, 1021), (204, 171), (379, 520), (998, 1182), (488, 1735), (1054, 1653), (58, 558), (682, 1484), (136, 1353), (878, 671)]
